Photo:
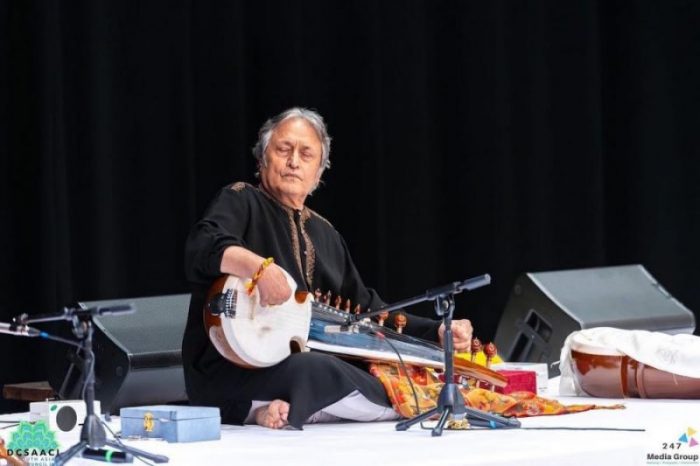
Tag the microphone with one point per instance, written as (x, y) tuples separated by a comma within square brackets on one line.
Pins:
[(80, 311), (19, 330), (430, 295), (102, 310)]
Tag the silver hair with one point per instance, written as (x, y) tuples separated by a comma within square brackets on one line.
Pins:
[(312, 117)]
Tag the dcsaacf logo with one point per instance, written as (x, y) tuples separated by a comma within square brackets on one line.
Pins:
[(33, 443), (680, 449)]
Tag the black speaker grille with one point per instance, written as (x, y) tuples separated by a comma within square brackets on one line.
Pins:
[(66, 418), (155, 328), (608, 295)]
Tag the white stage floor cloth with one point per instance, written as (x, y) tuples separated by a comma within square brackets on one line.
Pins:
[(664, 421)]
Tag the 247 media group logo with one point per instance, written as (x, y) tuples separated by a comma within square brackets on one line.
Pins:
[(681, 451)]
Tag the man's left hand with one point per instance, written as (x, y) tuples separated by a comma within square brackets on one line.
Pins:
[(461, 335)]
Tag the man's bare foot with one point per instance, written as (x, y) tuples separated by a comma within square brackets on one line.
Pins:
[(273, 415)]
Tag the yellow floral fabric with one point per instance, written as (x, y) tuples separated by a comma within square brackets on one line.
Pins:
[(428, 386)]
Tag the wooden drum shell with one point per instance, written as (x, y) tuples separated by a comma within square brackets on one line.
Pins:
[(613, 376)]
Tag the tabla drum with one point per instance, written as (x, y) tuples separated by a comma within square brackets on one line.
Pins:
[(607, 373)]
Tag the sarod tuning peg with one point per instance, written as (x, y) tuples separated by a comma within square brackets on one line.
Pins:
[(382, 317), (337, 302), (348, 305), (476, 347), (400, 321), (490, 352)]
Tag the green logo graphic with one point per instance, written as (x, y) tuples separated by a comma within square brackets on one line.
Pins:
[(33, 440)]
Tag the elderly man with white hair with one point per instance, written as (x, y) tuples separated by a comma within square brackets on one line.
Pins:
[(243, 227)]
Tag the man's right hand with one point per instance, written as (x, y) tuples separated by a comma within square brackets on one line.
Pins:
[(273, 287)]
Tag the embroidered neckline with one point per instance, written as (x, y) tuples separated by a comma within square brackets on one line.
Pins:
[(239, 186), (310, 251), (304, 215)]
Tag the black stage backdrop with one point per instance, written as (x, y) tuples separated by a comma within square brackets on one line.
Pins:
[(469, 137)]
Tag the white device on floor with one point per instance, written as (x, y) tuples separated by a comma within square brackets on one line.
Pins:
[(60, 415)]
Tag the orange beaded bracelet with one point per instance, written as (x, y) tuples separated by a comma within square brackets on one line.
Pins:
[(254, 281)]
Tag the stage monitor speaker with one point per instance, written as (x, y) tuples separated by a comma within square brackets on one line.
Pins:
[(545, 307), (138, 356)]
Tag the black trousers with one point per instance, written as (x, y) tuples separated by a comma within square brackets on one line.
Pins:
[(308, 381)]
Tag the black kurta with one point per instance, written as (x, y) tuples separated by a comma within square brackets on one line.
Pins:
[(308, 247)]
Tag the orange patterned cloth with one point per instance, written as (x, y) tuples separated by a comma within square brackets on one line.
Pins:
[(427, 386)]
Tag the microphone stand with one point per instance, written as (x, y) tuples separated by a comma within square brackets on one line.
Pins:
[(450, 401), (92, 434), (430, 295)]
